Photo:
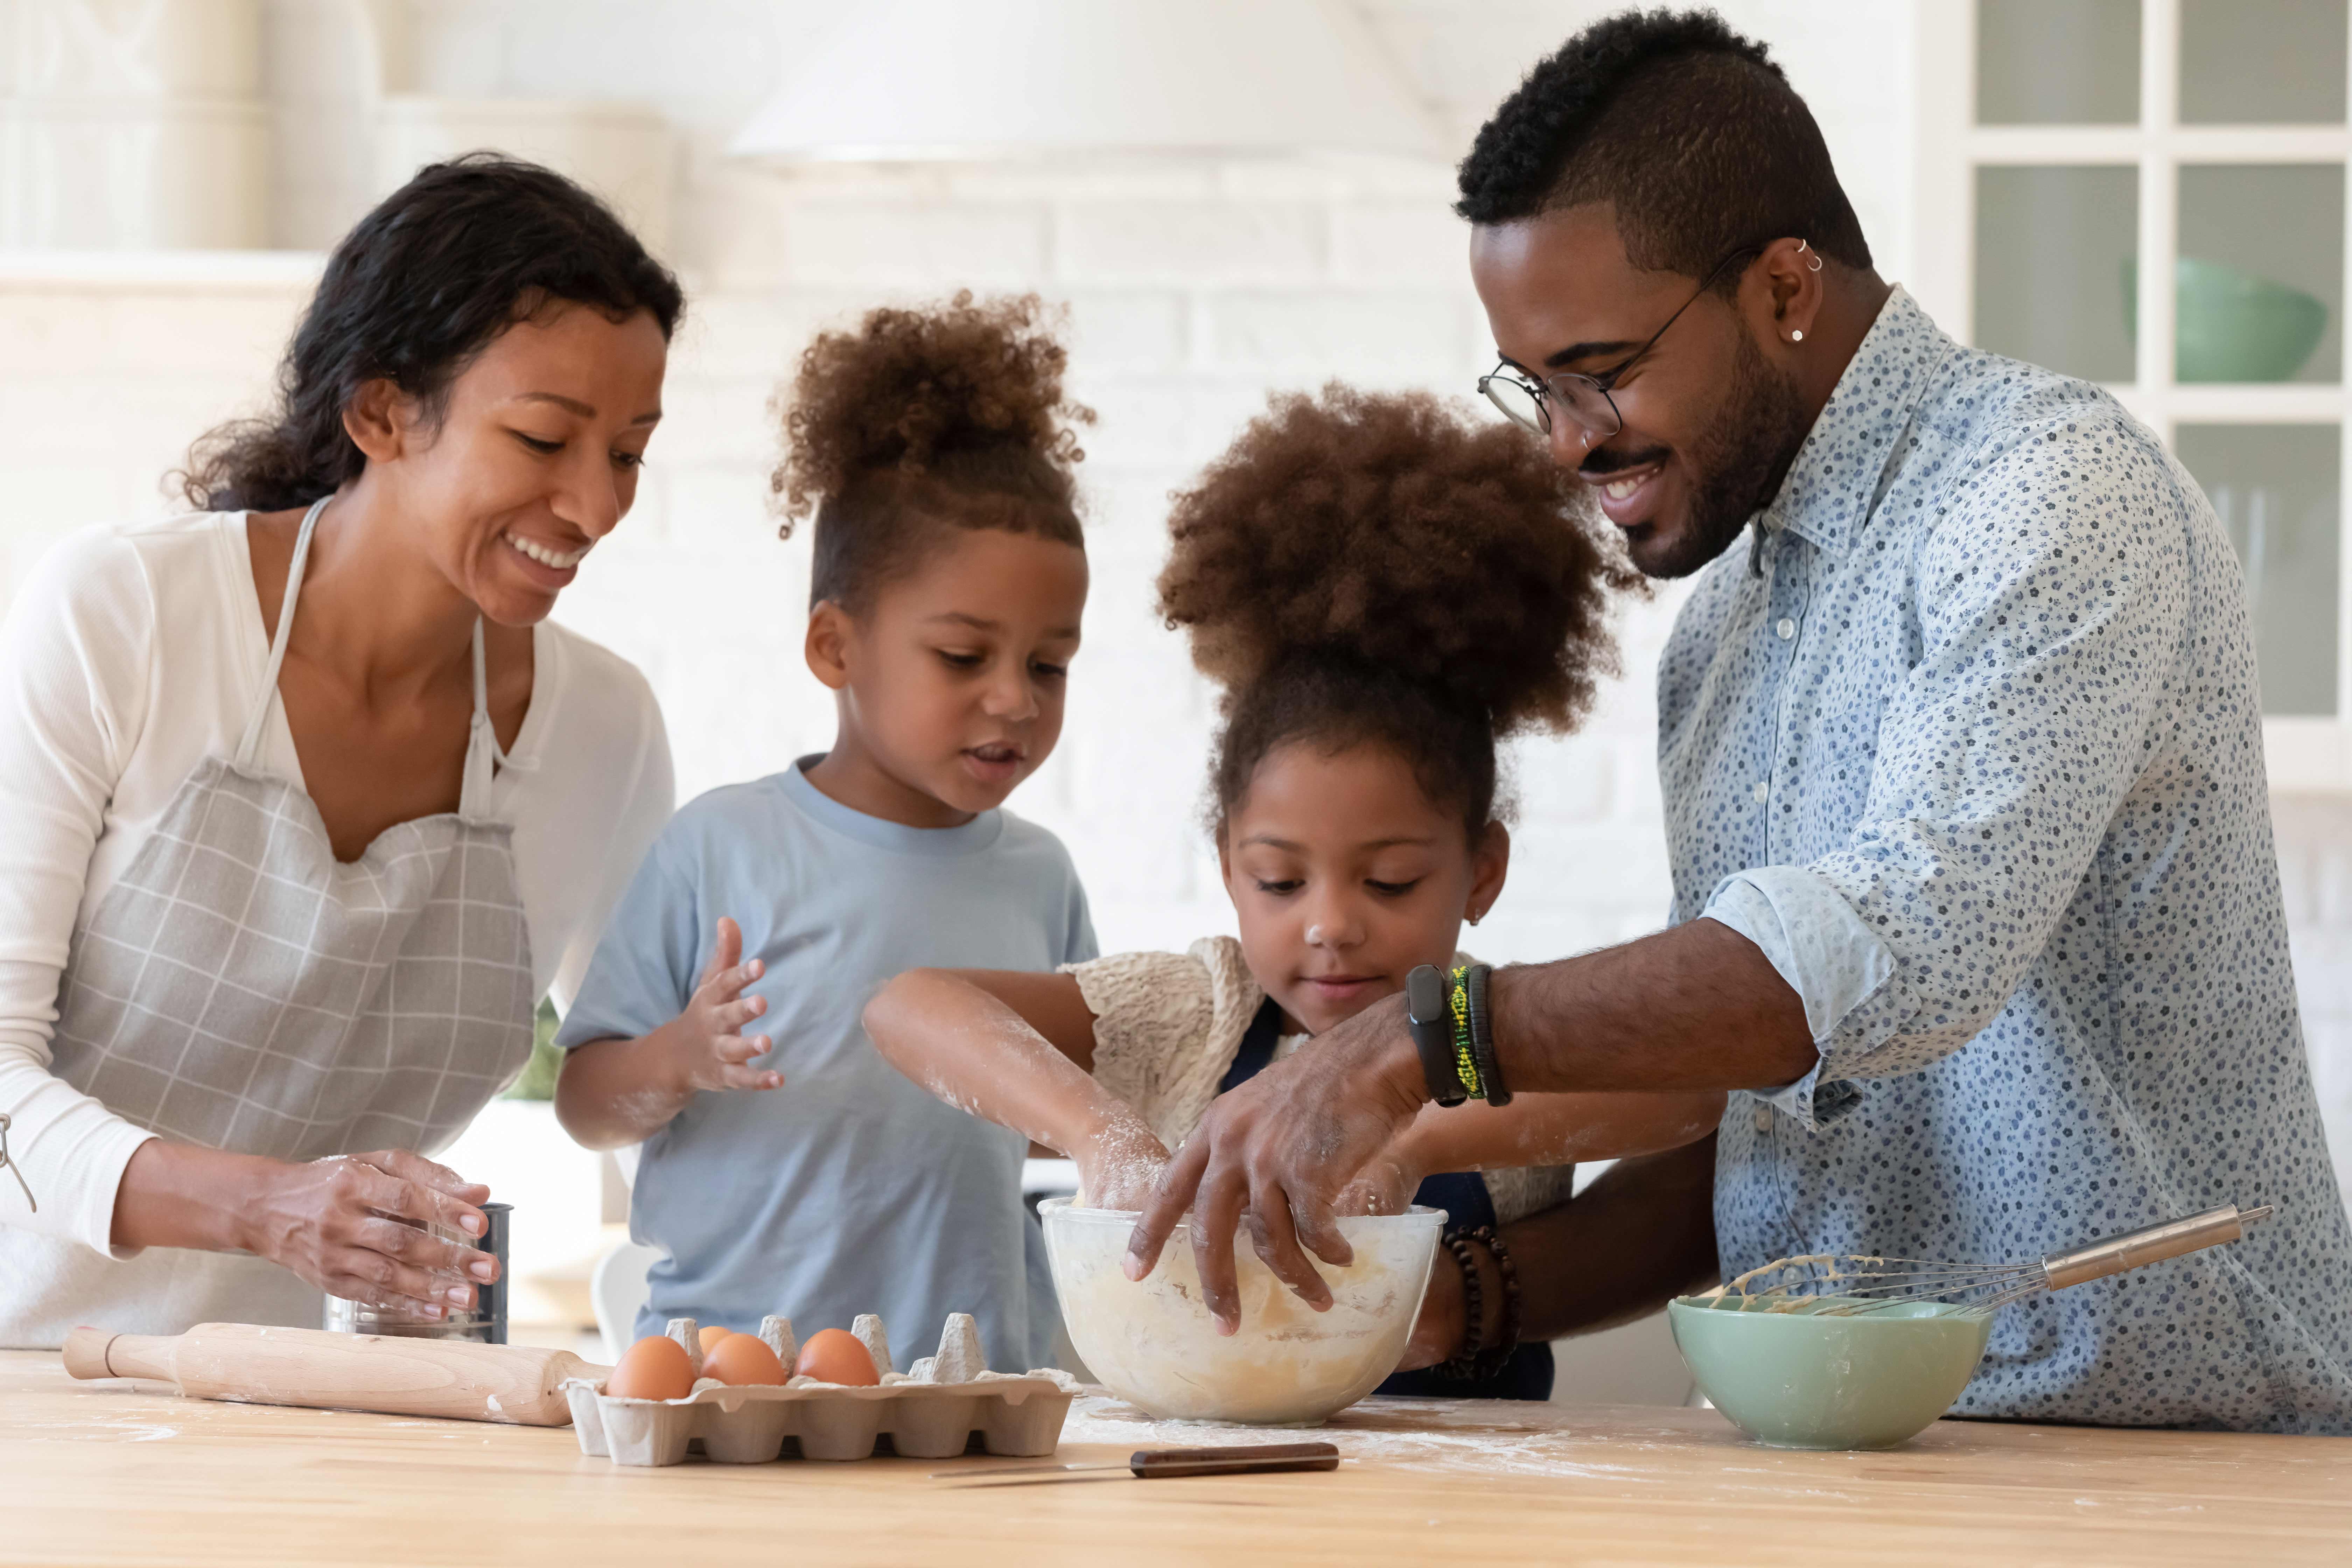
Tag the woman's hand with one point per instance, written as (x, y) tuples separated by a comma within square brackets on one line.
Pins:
[(350, 1226), (336, 1223), (705, 1045), (1119, 1166)]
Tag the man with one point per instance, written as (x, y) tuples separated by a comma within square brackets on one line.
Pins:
[(1975, 897)]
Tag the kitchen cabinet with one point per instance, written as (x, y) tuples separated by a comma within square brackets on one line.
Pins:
[(2151, 193)]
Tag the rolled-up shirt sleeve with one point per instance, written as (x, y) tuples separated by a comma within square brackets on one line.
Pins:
[(2048, 617)]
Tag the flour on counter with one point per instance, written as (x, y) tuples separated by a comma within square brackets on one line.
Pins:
[(1430, 1434)]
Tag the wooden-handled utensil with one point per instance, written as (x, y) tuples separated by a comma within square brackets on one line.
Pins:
[(248, 1364), (1161, 1464)]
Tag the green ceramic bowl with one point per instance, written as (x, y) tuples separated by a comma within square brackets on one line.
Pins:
[(1799, 1379), (2231, 325)]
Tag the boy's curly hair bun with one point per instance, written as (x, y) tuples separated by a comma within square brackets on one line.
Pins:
[(950, 414), (1369, 565)]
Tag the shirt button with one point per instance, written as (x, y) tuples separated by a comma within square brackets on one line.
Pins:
[(1787, 629), (1763, 1117), (1762, 791)]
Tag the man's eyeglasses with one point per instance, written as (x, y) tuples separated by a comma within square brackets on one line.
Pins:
[(1583, 399)]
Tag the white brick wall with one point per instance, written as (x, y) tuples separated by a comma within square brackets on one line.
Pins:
[(1194, 289)]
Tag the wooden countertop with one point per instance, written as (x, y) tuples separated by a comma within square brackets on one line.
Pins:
[(118, 1473)]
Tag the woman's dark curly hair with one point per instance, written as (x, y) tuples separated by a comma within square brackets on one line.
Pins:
[(922, 420), (1372, 567), (422, 285)]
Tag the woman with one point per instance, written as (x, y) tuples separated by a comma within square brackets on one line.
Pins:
[(303, 803)]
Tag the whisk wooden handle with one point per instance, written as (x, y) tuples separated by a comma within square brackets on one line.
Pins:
[(2150, 1244)]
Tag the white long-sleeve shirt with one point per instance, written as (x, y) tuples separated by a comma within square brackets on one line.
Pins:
[(131, 654)]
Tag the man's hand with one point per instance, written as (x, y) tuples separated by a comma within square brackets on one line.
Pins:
[(1278, 1151)]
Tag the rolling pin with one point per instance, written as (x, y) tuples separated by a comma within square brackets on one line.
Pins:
[(247, 1363)]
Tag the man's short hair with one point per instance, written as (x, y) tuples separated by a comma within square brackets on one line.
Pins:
[(1688, 128)]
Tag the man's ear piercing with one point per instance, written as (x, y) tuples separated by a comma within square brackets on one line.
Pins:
[(1798, 336)]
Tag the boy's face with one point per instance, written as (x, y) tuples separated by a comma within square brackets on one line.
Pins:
[(1346, 878), (954, 678)]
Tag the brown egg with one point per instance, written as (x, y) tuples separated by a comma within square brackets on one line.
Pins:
[(712, 1335), (834, 1355), (740, 1359), (653, 1368)]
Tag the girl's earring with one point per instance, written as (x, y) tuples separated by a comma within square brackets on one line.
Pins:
[(1798, 336)]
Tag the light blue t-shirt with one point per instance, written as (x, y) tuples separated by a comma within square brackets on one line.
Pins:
[(850, 1189)]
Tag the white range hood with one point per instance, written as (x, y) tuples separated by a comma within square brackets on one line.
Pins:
[(906, 80)]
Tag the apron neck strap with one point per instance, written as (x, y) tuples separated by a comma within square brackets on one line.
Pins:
[(257, 713), (482, 754)]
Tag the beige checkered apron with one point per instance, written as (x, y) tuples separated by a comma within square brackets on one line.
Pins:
[(241, 988)]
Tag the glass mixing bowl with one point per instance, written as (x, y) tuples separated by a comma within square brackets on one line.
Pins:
[(1151, 1341)]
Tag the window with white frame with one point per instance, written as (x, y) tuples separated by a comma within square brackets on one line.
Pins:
[(2150, 193)]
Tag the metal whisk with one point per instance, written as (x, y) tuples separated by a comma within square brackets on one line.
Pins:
[(1845, 1284)]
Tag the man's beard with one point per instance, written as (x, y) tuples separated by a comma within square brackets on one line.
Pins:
[(1737, 465)]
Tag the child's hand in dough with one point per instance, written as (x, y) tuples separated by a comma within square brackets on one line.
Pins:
[(1119, 1166), (1385, 1185), (706, 1040)]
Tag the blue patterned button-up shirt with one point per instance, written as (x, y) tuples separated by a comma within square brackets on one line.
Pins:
[(1972, 749)]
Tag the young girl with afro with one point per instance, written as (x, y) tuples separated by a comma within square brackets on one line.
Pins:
[(1382, 590), (785, 1167)]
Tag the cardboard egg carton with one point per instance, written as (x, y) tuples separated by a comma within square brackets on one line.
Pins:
[(930, 1413)]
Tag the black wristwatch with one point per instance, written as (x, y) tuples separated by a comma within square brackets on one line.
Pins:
[(1447, 1010), (1427, 1003)]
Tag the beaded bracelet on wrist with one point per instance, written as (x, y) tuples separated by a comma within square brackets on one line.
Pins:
[(1477, 1359), (1473, 1307)]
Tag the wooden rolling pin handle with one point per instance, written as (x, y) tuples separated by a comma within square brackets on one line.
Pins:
[(101, 1352), (258, 1364)]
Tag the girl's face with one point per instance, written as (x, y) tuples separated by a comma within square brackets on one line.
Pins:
[(951, 682), (534, 458), (1346, 878)]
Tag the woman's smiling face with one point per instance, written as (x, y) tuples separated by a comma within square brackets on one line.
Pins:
[(1345, 876), (533, 458)]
